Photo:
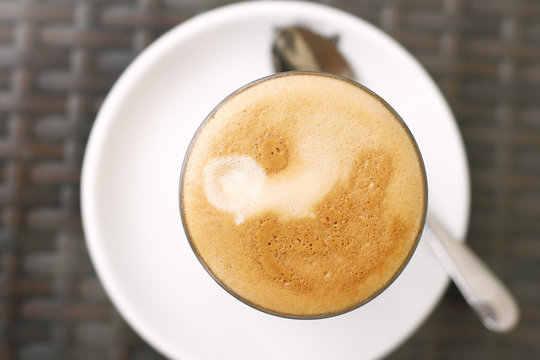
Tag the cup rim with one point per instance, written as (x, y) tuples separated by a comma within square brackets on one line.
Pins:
[(402, 266)]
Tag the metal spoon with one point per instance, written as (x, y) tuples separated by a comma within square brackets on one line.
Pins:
[(298, 48)]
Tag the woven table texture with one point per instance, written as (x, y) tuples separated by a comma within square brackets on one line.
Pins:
[(58, 60)]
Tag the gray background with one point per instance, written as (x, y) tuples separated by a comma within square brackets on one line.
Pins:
[(59, 58)]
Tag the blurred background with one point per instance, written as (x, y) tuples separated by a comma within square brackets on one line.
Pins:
[(58, 60)]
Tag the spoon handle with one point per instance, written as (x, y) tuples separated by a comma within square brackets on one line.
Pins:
[(489, 298)]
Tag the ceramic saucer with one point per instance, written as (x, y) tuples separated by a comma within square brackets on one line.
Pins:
[(131, 175)]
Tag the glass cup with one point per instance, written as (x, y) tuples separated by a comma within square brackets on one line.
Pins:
[(402, 263)]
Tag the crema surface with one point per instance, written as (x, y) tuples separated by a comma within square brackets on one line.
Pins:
[(303, 194)]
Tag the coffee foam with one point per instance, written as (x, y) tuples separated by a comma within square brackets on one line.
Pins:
[(312, 194)]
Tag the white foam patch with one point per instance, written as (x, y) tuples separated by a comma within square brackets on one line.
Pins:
[(234, 184)]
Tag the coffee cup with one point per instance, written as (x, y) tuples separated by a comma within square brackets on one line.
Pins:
[(303, 194)]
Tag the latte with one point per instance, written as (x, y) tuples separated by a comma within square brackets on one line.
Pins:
[(303, 194)]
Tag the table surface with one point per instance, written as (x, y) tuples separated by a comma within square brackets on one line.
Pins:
[(59, 58)]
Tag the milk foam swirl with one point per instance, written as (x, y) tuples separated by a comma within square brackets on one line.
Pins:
[(239, 185)]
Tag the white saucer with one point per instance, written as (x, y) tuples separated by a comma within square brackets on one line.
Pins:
[(131, 176)]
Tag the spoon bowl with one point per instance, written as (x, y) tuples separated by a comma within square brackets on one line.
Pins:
[(298, 48)]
